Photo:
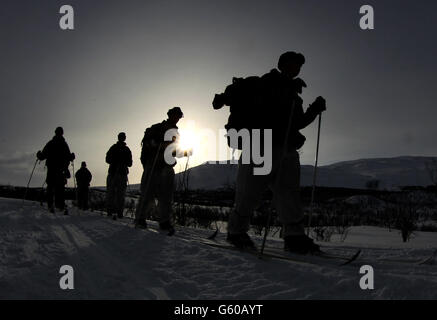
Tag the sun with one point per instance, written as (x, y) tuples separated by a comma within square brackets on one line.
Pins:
[(189, 139)]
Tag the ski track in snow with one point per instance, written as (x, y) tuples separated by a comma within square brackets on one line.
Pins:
[(112, 260)]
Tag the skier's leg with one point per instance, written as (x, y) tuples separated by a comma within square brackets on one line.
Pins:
[(110, 194), (247, 198), (50, 195), (80, 197), (82, 193), (286, 195), (165, 194), (85, 198), (60, 191), (121, 192), (50, 189), (140, 212)]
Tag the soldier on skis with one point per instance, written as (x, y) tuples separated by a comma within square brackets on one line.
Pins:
[(83, 178), (279, 109), (119, 158), (58, 156), (157, 181)]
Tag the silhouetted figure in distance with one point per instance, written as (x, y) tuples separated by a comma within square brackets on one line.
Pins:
[(58, 156), (119, 158), (83, 178)]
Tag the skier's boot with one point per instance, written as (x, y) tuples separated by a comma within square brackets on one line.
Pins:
[(52, 210), (168, 227), (66, 212), (141, 224), (300, 244), (114, 216), (240, 240)]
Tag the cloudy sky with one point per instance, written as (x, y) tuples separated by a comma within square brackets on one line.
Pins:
[(127, 62)]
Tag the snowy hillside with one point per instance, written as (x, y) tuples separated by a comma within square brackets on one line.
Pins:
[(112, 260), (391, 172)]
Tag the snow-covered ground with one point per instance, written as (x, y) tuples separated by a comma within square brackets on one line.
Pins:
[(112, 260)]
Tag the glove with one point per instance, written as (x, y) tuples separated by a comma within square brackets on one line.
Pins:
[(218, 101), (73, 156), (188, 153), (39, 155), (319, 105)]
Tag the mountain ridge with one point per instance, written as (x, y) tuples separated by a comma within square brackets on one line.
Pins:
[(391, 173)]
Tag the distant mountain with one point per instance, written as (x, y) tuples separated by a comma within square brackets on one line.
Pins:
[(390, 172)]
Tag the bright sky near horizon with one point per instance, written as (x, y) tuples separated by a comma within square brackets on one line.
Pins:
[(127, 62)]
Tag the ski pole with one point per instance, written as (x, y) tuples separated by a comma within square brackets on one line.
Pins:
[(185, 186), (28, 183), (284, 151), (185, 175), (314, 175)]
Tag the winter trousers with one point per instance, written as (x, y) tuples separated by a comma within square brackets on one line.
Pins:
[(116, 184), (56, 188), (283, 180), (160, 187), (82, 197)]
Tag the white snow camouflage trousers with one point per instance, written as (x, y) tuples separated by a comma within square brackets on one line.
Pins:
[(285, 185), (161, 187)]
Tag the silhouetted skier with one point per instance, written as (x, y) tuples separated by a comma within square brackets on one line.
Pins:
[(157, 181), (58, 156), (83, 178), (119, 158), (277, 103)]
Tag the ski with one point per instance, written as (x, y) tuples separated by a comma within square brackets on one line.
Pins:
[(344, 259), (279, 253), (429, 260), (274, 253)]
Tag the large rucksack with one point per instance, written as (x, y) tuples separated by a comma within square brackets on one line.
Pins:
[(246, 98), (148, 149)]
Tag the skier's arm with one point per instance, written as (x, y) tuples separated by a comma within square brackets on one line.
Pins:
[(317, 107), (42, 155)]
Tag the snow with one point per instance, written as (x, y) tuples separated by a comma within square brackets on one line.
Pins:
[(112, 260)]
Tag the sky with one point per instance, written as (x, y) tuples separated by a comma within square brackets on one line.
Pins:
[(127, 62)]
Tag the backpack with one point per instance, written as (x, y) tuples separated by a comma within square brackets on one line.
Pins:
[(147, 149), (246, 98)]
